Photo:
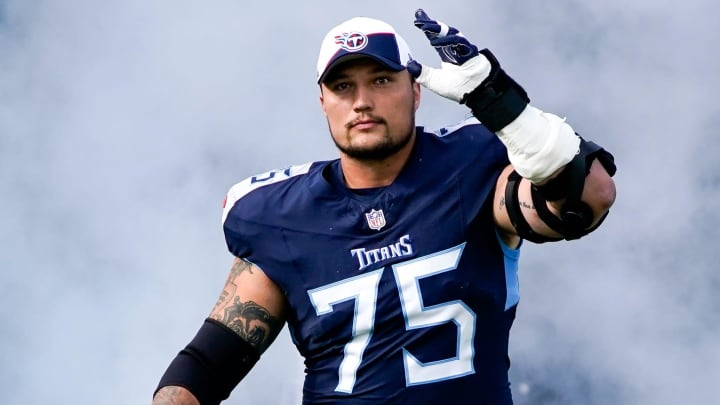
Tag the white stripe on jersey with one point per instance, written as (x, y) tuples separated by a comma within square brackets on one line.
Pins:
[(239, 190), (445, 131)]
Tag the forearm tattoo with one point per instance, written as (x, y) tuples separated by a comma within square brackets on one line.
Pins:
[(523, 204), (248, 319)]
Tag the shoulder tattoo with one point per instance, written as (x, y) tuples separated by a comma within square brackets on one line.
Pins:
[(250, 320), (239, 267)]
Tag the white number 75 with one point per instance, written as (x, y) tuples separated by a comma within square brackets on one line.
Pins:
[(364, 289)]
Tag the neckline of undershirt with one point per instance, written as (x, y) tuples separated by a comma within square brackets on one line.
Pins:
[(336, 177)]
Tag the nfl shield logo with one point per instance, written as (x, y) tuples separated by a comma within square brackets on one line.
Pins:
[(375, 219)]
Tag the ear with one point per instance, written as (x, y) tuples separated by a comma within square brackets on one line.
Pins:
[(322, 101)]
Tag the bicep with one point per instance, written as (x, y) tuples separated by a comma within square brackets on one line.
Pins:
[(251, 305)]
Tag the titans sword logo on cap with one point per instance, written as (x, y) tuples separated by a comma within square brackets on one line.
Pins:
[(353, 41)]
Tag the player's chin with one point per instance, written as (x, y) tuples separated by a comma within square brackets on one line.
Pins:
[(373, 151), (366, 138), (369, 154)]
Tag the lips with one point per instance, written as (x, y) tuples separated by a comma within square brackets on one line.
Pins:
[(364, 123)]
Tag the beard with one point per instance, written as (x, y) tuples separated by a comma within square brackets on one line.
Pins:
[(381, 151)]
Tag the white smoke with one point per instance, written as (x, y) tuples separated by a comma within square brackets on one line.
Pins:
[(123, 123)]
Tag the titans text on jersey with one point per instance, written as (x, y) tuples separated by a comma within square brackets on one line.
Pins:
[(399, 294), (366, 257)]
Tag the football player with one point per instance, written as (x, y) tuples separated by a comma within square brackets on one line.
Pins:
[(395, 265)]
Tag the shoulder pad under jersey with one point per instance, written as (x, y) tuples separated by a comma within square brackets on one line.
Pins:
[(244, 187)]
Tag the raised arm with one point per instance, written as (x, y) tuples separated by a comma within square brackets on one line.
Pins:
[(246, 319), (559, 185)]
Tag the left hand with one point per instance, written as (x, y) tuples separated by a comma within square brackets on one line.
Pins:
[(463, 68)]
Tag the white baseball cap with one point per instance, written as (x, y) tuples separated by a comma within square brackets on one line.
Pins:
[(362, 37)]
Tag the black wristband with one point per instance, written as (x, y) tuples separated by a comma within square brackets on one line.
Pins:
[(498, 100)]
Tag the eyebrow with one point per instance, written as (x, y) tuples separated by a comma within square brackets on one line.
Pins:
[(339, 74)]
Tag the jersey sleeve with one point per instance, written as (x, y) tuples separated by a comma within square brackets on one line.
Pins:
[(481, 157), (247, 207), (233, 225)]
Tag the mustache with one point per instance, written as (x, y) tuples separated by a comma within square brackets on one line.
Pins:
[(364, 118)]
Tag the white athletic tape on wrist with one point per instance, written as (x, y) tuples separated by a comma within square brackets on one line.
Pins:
[(539, 143)]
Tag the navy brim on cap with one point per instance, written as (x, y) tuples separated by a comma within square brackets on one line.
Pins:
[(362, 37)]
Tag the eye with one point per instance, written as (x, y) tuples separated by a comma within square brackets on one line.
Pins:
[(383, 80), (341, 86)]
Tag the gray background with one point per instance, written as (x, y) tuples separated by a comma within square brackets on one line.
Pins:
[(124, 122)]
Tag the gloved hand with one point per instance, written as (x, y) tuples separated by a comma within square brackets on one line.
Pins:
[(463, 67)]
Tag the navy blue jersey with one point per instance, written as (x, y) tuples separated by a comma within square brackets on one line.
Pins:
[(400, 294)]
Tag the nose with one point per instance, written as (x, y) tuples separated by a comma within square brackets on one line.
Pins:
[(363, 99)]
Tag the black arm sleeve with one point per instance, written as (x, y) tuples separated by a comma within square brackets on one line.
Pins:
[(212, 364)]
